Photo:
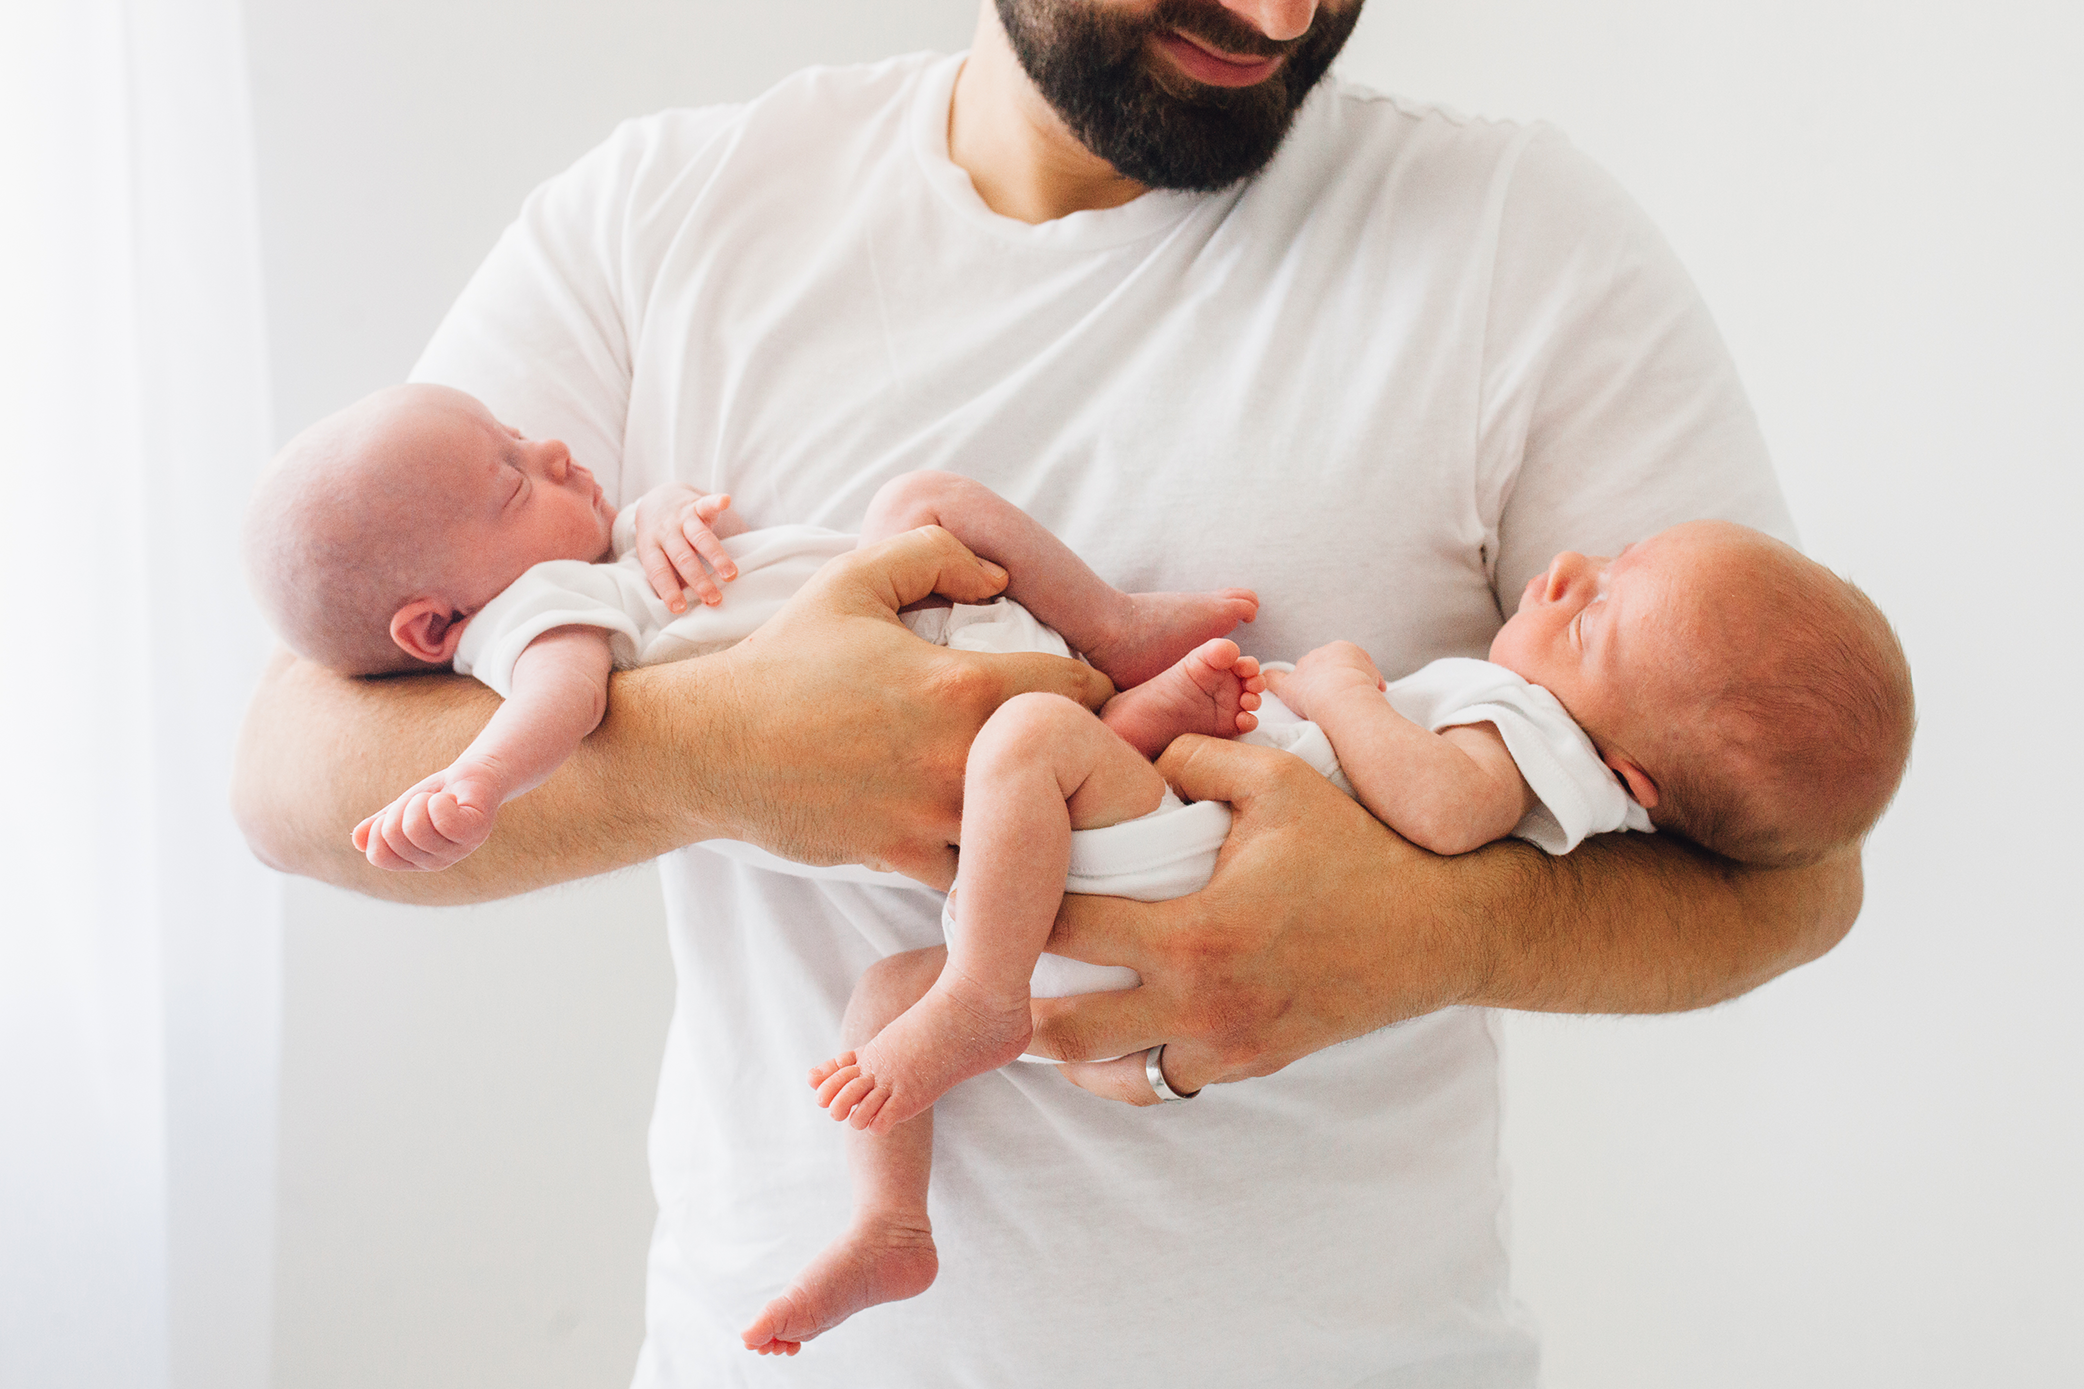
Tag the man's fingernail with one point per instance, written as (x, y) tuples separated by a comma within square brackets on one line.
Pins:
[(992, 571)]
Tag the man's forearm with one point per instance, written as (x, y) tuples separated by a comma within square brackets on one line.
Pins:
[(320, 751), (831, 735), (1643, 924)]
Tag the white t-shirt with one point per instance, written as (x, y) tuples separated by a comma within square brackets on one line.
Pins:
[(1382, 383)]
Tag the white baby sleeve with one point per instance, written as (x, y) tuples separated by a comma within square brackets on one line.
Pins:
[(1576, 795), (560, 593)]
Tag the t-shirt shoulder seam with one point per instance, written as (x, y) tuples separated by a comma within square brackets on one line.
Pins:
[(1419, 110)]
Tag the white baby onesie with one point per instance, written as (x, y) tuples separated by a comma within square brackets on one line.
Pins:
[(773, 563)]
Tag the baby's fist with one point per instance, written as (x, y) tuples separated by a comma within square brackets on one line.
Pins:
[(433, 825), (1324, 674)]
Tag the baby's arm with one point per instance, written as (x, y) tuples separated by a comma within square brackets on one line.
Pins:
[(1449, 792), (560, 687)]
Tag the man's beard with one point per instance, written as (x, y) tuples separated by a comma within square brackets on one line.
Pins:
[(1154, 125)]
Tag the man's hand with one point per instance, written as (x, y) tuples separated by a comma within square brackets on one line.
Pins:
[(1320, 925), (1287, 950), (833, 735), (854, 733)]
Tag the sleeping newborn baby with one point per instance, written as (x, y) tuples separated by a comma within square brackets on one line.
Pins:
[(413, 531)]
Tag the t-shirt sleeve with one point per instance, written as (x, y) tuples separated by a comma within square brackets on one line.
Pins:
[(1611, 408), (544, 331), (560, 593)]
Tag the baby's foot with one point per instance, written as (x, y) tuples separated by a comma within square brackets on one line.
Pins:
[(883, 1259), (1212, 690), (951, 1034), (1157, 629)]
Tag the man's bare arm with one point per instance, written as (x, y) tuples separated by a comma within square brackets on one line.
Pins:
[(1321, 925), (832, 735)]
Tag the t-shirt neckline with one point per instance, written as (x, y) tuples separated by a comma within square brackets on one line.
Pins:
[(1098, 229)]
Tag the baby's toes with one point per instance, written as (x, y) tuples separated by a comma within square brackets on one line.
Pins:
[(850, 1095), (836, 1081), (824, 1069), (871, 1107)]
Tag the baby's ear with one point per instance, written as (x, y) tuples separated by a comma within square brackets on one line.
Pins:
[(1639, 784), (428, 630)]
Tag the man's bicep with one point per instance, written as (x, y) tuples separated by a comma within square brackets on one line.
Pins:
[(1636, 923)]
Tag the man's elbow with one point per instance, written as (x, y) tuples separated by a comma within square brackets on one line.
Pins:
[(259, 805), (262, 822), (1840, 887)]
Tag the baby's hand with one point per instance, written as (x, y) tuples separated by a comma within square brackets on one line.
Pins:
[(432, 825), (1324, 674), (678, 531)]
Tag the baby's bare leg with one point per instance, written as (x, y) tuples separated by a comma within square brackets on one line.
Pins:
[(1130, 637), (888, 1253), (1040, 767)]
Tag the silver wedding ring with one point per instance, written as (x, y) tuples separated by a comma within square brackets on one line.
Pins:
[(1154, 1071)]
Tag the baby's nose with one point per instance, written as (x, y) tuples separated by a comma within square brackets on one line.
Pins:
[(557, 459), (1565, 570)]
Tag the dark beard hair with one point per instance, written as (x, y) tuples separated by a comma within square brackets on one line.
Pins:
[(1159, 128)]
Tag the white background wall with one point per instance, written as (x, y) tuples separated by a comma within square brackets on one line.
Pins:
[(1864, 1173)]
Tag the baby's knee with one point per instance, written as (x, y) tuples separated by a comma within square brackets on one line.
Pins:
[(911, 500), (888, 987), (1026, 725)]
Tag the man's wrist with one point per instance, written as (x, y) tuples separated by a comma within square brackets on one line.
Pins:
[(681, 784)]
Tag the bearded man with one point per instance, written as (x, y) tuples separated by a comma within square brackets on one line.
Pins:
[(1214, 321)]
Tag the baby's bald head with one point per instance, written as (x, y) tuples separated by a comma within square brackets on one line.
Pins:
[(1802, 707), (353, 521)]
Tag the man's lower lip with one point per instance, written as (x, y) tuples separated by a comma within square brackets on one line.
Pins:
[(1199, 64)]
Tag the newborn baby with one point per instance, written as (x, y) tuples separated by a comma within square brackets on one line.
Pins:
[(1709, 680), (1744, 696), (413, 531)]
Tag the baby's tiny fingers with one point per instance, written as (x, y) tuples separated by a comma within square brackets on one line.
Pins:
[(658, 570), (692, 574), (388, 845), (463, 826), (421, 831), (712, 549)]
